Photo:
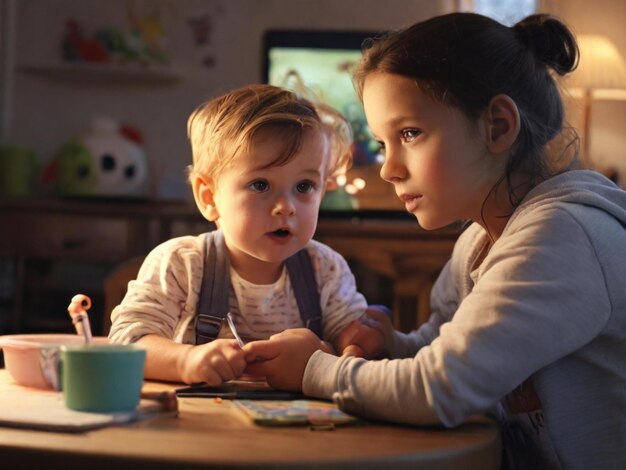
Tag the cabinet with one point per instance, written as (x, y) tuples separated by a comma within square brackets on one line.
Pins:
[(53, 248)]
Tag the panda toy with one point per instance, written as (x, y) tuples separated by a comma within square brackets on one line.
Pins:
[(105, 161)]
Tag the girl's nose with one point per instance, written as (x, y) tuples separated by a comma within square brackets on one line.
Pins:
[(284, 206), (393, 170)]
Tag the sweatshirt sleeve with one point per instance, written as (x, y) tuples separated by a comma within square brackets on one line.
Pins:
[(163, 298), (538, 296)]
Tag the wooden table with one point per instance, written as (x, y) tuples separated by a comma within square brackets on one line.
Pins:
[(208, 434)]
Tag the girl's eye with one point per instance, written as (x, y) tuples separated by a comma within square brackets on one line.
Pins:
[(305, 187), (409, 135), (259, 186), (381, 146)]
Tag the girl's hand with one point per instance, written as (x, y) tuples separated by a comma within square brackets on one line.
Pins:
[(370, 336), (213, 362), (283, 358)]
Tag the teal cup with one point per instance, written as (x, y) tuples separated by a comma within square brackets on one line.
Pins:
[(102, 378)]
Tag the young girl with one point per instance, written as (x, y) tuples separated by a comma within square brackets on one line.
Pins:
[(529, 315), (261, 157)]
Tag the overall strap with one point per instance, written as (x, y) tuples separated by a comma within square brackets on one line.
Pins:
[(214, 290), (304, 286)]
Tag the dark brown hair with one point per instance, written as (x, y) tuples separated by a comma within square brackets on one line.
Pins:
[(465, 59)]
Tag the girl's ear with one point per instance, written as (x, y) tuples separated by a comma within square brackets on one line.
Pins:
[(503, 124), (203, 195)]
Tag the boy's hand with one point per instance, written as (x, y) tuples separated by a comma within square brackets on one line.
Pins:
[(283, 358), (213, 362), (370, 336)]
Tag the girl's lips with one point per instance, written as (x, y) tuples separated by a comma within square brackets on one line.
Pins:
[(410, 201)]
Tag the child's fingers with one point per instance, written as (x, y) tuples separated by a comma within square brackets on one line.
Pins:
[(211, 376), (292, 332), (266, 350), (328, 348), (353, 350), (376, 319), (225, 361), (347, 336), (366, 341), (236, 359), (259, 369), (222, 367), (231, 343), (368, 320)]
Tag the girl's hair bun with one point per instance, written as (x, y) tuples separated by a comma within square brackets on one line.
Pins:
[(550, 40)]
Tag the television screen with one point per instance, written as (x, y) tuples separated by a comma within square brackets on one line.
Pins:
[(323, 62)]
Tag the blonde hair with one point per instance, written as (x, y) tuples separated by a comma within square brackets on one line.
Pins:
[(221, 129), (340, 134)]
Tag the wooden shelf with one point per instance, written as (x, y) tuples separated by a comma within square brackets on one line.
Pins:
[(109, 72)]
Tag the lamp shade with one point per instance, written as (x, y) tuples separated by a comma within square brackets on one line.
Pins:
[(601, 74), (601, 65)]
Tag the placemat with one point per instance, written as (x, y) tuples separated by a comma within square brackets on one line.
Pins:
[(30, 408)]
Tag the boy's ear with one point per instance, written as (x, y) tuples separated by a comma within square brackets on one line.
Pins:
[(502, 124), (203, 195)]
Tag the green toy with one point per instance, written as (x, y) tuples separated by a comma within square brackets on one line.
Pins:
[(106, 160), (75, 172)]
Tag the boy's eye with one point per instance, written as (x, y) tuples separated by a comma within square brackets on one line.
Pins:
[(305, 187), (409, 135), (381, 146), (260, 186)]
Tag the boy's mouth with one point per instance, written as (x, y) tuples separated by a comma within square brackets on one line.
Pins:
[(281, 233)]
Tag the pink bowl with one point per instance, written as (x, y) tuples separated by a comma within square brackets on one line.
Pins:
[(32, 359)]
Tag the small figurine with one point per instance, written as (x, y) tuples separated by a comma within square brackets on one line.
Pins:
[(77, 47), (78, 311)]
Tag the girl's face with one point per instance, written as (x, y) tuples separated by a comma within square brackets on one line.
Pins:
[(269, 213), (435, 158)]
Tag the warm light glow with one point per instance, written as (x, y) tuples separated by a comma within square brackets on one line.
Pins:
[(601, 74), (601, 65), (359, 183), (351, 189), (341, 180)]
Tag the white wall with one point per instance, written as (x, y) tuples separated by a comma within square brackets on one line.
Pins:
[(47, 111)]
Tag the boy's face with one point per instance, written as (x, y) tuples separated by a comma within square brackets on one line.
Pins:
[(268, 214)]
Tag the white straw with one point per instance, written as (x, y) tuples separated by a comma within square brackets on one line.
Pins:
[(78, 311)]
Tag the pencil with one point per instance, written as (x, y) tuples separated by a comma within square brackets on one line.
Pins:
[(231, 325)]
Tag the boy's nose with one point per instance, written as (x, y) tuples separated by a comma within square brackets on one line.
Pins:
[(284, 206), (393, 169)]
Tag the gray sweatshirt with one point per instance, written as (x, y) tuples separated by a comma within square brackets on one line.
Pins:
[(533, 328)]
